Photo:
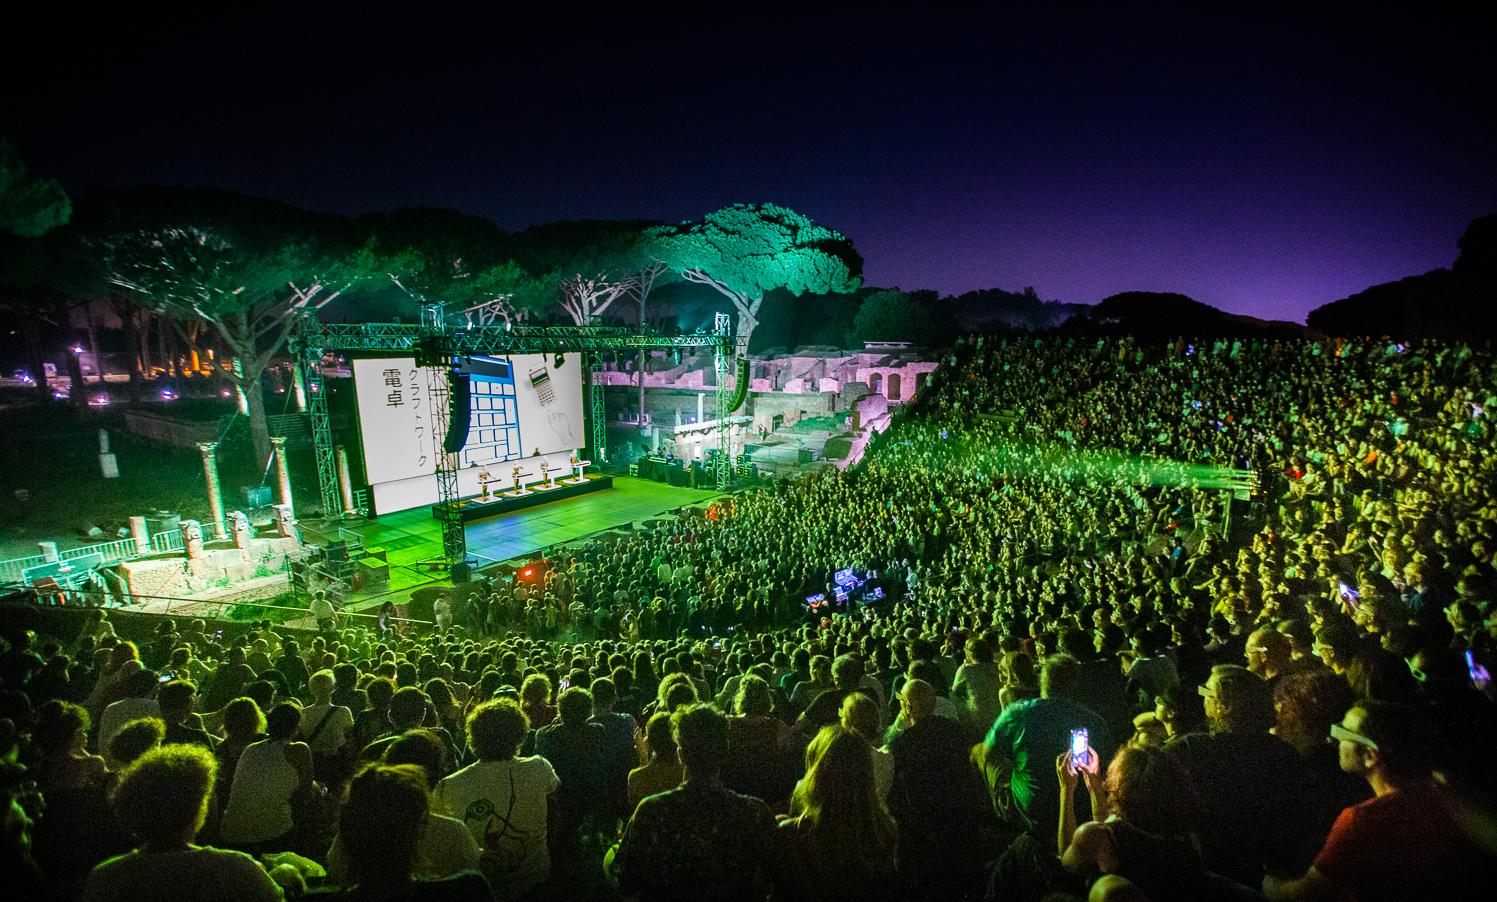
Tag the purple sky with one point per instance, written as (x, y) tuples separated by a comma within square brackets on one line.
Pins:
[(1263, 163)]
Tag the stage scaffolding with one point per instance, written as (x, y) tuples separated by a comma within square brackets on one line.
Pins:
[(436, 342)]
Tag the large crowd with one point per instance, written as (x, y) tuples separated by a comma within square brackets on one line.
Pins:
[(1283, 695)]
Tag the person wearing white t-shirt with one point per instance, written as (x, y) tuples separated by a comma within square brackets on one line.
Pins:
[(324, 725), (139, 701), (502, 799), (323, 612)]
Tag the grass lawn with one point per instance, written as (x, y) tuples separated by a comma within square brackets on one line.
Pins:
[(52, 456)]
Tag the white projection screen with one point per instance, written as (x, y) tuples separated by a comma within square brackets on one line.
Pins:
[(523, 408)]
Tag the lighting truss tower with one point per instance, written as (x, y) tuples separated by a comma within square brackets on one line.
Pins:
[(449, 509), (322, 433), (600, 423), (723, 358)]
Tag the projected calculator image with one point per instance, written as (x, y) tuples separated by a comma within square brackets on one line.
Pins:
[(540, 380), (556, 420)]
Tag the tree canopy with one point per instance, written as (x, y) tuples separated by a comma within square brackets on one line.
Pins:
[(241, 265), (745, 250), (444, 256), (29, 206), (1450, 304), (891, 315)]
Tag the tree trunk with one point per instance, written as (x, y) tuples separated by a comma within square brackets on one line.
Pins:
[(146, 369), (93, 342), (163, 342), (745, 332), (259, 423), (132, 341), (32, 330), (79, 393)]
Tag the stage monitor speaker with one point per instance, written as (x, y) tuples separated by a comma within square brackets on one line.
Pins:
[(372, 573), (458, 406)]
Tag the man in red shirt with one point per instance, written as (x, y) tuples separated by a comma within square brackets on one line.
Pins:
[(1406, 841)]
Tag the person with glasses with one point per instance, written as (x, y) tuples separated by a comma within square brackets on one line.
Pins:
[(1252, 784), (1336, 645), (1269, 655), (1403, 843)]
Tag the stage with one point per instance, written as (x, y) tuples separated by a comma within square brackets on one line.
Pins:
[(473, 509), (412, 537)]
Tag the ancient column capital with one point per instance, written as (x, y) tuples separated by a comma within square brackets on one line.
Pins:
[(207, 447), (278, 440)]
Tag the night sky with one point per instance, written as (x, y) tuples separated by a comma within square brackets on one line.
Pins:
[(1261, 163)]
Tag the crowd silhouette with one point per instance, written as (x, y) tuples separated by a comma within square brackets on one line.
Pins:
[(1283, 695)]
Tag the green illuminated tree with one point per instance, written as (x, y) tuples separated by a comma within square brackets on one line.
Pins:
[(29, 207), (745, 250), (245, 267)]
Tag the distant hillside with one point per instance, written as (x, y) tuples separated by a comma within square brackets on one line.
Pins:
[(993, 309), (1160, 316), (1453, 304)]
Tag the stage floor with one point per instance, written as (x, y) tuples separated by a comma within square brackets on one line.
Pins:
[(412, 536)]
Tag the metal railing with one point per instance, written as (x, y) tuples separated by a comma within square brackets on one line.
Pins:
[(163, 542), (113, 552), (353, 542), (171, 540), (199, 606)]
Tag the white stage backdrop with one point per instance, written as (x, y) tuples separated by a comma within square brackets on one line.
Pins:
[(526, 410)]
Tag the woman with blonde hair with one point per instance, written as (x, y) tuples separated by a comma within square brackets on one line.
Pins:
[(1016, 674), (843, 841), (325, 728), (862, 715), (663, 770)]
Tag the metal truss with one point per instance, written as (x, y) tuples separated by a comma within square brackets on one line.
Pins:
[(723, 358), (449, 509), (436, 344), (407, 338), (595, 400), (322, 433)]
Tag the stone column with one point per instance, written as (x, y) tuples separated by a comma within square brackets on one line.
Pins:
[(701, 399), (108, 464), (345, 482), (49, 552), (215, 493), (141, 533), (282, 472)]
